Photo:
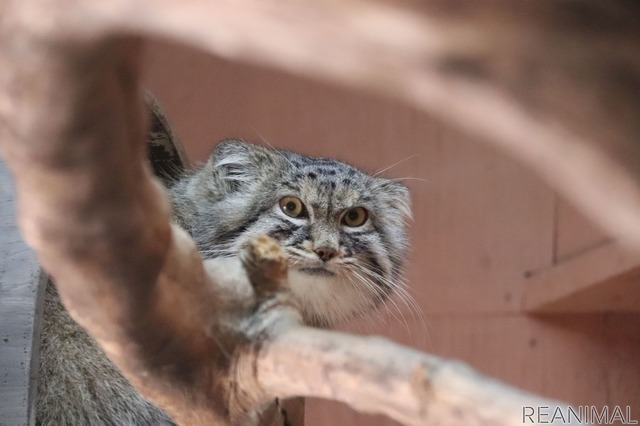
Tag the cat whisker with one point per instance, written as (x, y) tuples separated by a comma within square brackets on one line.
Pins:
[(384, 301), (398, 286), (400, 289), (410, 178), (394, 164), (369, 285), (357, 288), (272, 147), (376, 313)]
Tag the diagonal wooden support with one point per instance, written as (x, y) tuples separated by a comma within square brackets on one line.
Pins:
[(603, 279)]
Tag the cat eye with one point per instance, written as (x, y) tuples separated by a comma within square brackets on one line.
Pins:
[(293, 207), (355, 217)]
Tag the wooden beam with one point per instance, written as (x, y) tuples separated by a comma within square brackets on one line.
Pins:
[(606, 278)]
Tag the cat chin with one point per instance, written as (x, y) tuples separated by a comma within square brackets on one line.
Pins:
[(327, 298)]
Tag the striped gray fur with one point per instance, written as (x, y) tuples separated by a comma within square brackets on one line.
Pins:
[(235, 196), (336, 271)]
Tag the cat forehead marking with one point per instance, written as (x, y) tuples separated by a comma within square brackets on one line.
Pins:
[(324, 188)]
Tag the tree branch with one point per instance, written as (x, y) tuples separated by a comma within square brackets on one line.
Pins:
[(216, 343), (554, 83), (376, 376)]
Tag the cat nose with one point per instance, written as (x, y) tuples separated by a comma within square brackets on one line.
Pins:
[(326, 253)]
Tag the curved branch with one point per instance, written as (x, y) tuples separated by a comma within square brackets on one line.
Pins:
[(376, 376), (554, 83), (216, 343)]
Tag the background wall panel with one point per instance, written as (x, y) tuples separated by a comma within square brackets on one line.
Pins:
[(482, 224)]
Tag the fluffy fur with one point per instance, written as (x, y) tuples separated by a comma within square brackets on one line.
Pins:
[(78, 385), (223, 204), (235, 196)]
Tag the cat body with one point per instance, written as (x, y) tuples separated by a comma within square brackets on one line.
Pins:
[(343, 231)]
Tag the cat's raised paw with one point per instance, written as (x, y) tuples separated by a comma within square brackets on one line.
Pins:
[(266, 264)]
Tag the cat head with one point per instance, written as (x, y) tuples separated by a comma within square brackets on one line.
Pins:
[(344, 231)]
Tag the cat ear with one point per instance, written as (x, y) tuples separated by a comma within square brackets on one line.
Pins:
[(236, 164)]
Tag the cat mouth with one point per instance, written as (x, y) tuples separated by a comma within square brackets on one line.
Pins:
[(318, 271)]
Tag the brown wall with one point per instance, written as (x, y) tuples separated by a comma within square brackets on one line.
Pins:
[(482, 222)]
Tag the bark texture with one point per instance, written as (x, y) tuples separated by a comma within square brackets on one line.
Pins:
[(555, 83)]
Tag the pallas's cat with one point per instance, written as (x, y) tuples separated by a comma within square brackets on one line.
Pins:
[(343, 231)]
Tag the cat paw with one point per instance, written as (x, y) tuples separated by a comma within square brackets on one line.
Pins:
[(266, 264)]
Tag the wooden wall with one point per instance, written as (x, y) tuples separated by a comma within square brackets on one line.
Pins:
[(483, 224)]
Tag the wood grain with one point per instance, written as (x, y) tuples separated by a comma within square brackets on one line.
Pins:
[(603, 279), (583, 359), (575, 234)]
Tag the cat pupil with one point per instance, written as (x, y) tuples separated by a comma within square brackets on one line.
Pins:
[(291, 206), (353, 215)]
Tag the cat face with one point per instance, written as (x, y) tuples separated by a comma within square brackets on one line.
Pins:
[(343, 230)]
